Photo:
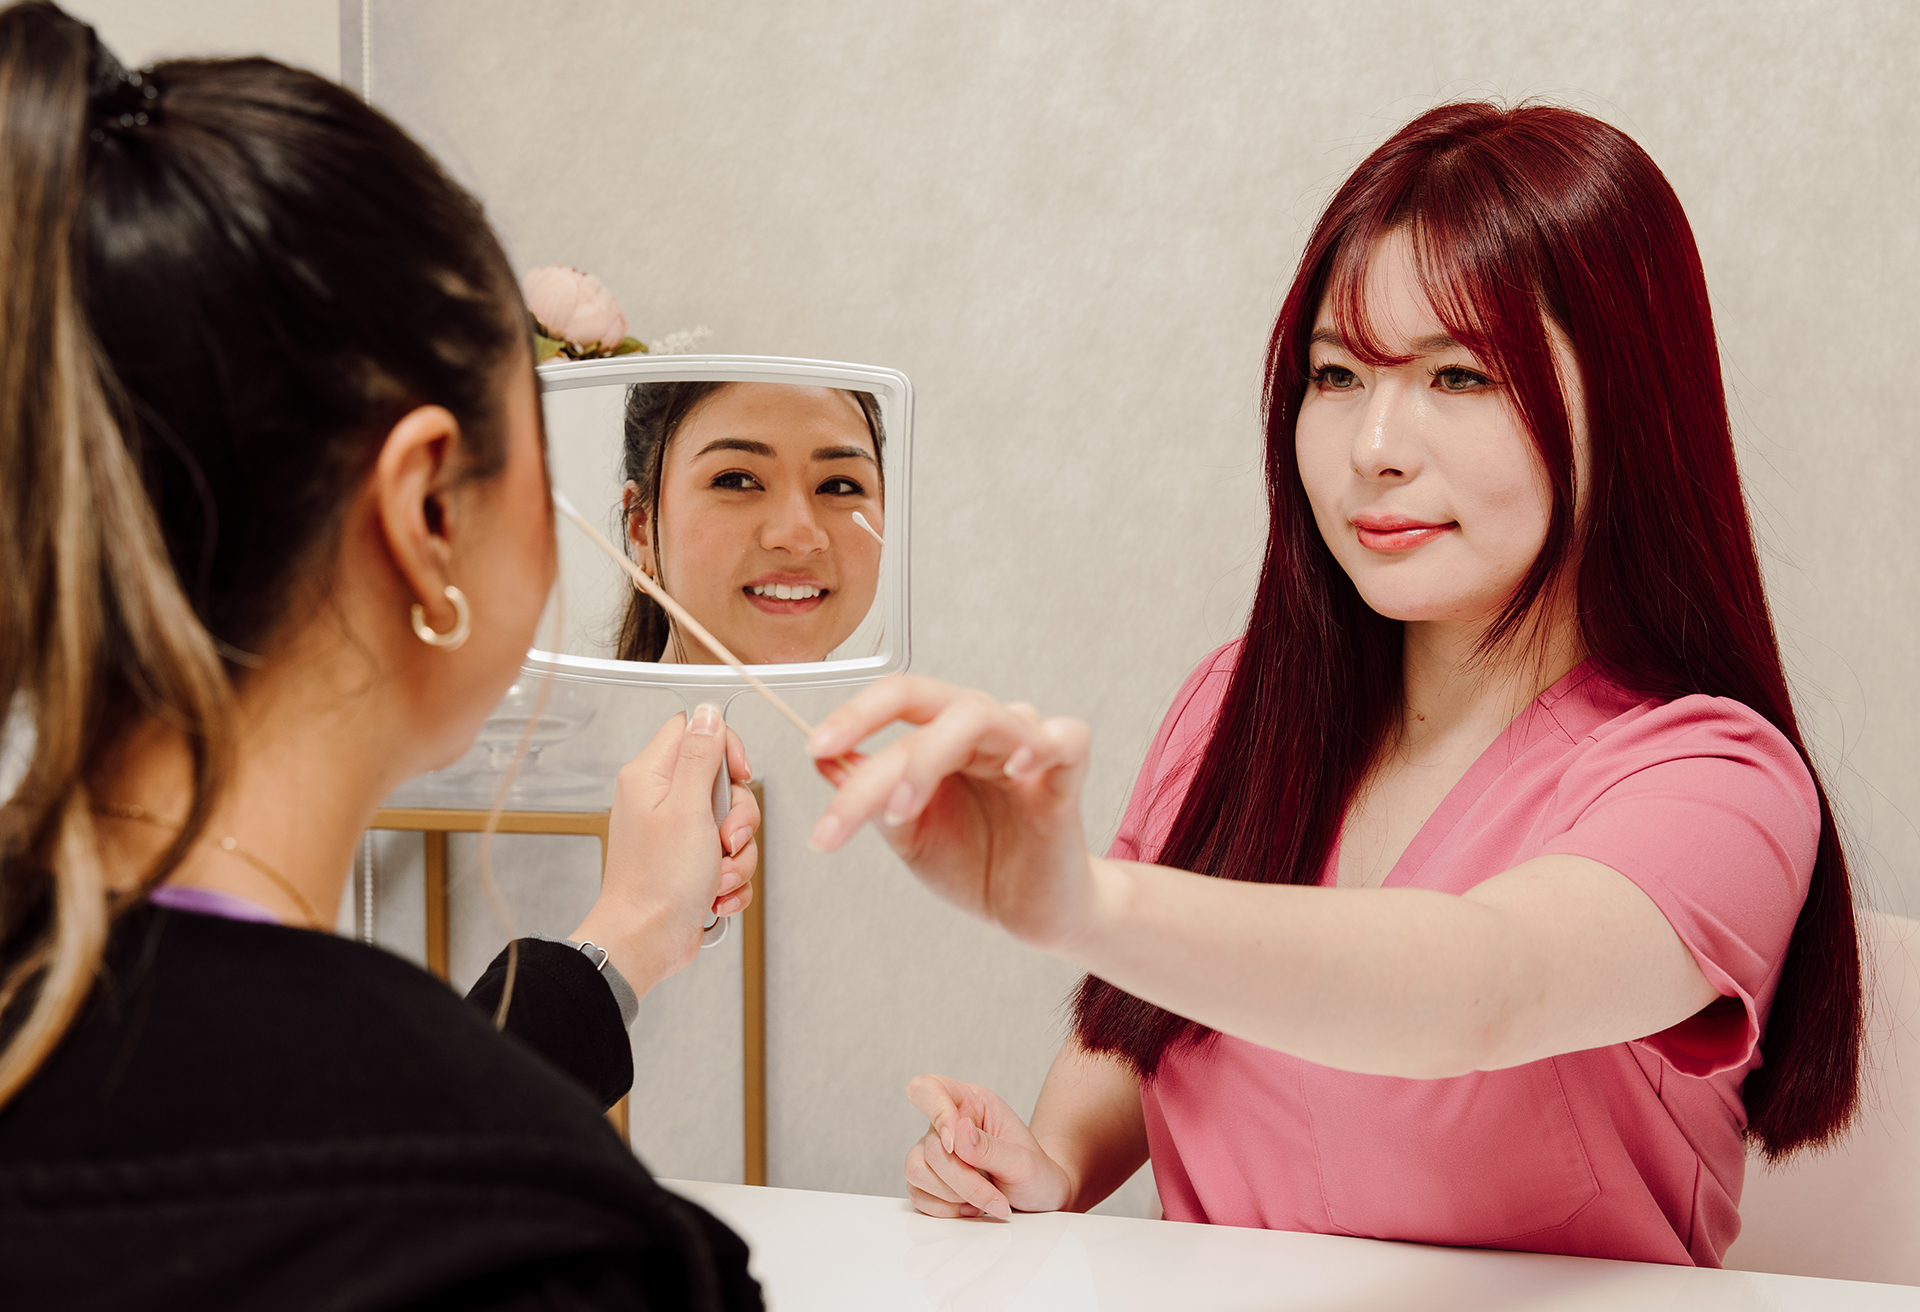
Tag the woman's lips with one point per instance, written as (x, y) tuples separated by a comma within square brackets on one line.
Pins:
[(1393, 534), (762, 595)]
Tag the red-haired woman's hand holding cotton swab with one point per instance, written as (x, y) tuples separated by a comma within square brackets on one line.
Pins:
[(982, 801)]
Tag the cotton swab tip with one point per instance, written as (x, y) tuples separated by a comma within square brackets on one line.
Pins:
[(861, 520)]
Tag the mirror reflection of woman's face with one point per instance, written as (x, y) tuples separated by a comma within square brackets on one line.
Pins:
[(756, 533)]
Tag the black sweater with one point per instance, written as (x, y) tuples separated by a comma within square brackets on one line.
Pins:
[(252, 1116)]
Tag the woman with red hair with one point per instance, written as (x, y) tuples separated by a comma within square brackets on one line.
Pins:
[(1493, 897)]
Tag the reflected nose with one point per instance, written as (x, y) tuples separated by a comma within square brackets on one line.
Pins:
[(793, 528), (1386, 443)]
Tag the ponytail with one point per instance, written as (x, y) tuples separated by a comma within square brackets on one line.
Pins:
[(95, 631)]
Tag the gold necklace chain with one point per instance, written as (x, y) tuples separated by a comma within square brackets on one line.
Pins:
[(128, 811)]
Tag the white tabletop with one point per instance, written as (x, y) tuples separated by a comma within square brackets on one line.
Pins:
[(853, 1253)]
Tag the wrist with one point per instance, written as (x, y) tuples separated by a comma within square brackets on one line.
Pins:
[(635, 945), (1108, 890), (1067, 1180)]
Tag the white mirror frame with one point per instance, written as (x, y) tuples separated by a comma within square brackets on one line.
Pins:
[(895, 395)]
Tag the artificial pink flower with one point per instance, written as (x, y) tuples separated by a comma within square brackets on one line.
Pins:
[(574, 306)]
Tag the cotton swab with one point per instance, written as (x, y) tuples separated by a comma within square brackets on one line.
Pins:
[(861, 520), (676, 610)]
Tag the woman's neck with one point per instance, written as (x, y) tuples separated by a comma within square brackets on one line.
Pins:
[(304, 780), (1454, 693)]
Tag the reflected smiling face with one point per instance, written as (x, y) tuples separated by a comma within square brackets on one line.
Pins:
[(756, 535)]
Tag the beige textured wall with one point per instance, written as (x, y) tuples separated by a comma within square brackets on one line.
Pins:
[(302, 32), (1070, 224)]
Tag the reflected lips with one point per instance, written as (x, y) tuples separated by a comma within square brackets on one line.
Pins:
[(1396, 532), (763, 594)]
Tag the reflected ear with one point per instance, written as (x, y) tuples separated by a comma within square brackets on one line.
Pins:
[(633, 511)]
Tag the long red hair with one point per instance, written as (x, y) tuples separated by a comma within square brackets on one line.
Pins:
[(1517, 217)]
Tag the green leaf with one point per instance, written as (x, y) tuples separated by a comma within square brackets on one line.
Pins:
[(628, 345), (545, 348)]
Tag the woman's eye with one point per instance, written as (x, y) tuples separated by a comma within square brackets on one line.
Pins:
[(1335, 378), (735, 480), (841, 487), (1455, 378)]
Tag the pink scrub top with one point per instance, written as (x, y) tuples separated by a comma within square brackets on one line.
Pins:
[(1630, 1151)]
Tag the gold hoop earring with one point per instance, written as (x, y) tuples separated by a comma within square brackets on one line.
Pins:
[(462, 622)]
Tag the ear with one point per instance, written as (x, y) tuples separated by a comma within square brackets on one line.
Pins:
[(633, 512), (411, 479)]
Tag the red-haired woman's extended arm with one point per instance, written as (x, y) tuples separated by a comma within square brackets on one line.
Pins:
[(1559, 954)]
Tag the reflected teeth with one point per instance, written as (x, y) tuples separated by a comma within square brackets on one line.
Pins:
[(786, 591)]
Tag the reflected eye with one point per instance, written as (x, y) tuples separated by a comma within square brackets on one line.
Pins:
[(841, 486), (1335, 378), (735, 480), (1457, 378)]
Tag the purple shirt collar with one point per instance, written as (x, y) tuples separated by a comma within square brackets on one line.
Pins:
[(206, 902)]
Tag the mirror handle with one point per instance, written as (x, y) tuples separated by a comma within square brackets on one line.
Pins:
[(716, 927)]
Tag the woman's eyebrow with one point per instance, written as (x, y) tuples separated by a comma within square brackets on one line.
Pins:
[(746, 444), (843, 453), (1421, 346)]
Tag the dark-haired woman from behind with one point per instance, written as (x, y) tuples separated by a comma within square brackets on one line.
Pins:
[(275, 530), (1493, 898)]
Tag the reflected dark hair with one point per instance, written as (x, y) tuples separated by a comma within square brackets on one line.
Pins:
[(654, 414), (1517, 216), (221, 283)]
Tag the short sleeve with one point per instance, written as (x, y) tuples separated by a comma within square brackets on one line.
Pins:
[(1161, 783), (1711, 812)]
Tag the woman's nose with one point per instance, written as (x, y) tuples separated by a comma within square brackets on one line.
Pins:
[(1386, 443), (792, 528)]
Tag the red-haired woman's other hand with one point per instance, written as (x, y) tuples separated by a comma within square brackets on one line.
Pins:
[(669, 866), (982, 801), (978, 1158)]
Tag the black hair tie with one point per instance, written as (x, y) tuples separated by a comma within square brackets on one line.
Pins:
[(117, 100)]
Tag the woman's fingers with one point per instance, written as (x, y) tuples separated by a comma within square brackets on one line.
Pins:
[(910, 697), (920, 1176), (938, 1099), (742, 822), (703, 752), (972, 734), (736, 882), (963, 1181), (653, 767), (739, 768)]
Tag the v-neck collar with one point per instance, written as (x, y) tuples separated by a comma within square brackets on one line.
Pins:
[(1538, 720)]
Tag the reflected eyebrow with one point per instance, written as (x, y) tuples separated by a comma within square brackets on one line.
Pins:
[(748, 445), (844, 453)]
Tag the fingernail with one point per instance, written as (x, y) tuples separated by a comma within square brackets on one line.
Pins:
[(1000, 1208), (738, 841), (973, 1134), (822, 742), (1020, 760), (705, 720), (826, 834), (946, 1136), (900, 805)]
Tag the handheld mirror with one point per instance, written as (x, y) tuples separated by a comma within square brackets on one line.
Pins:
[(767, 497), (734, 482)]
